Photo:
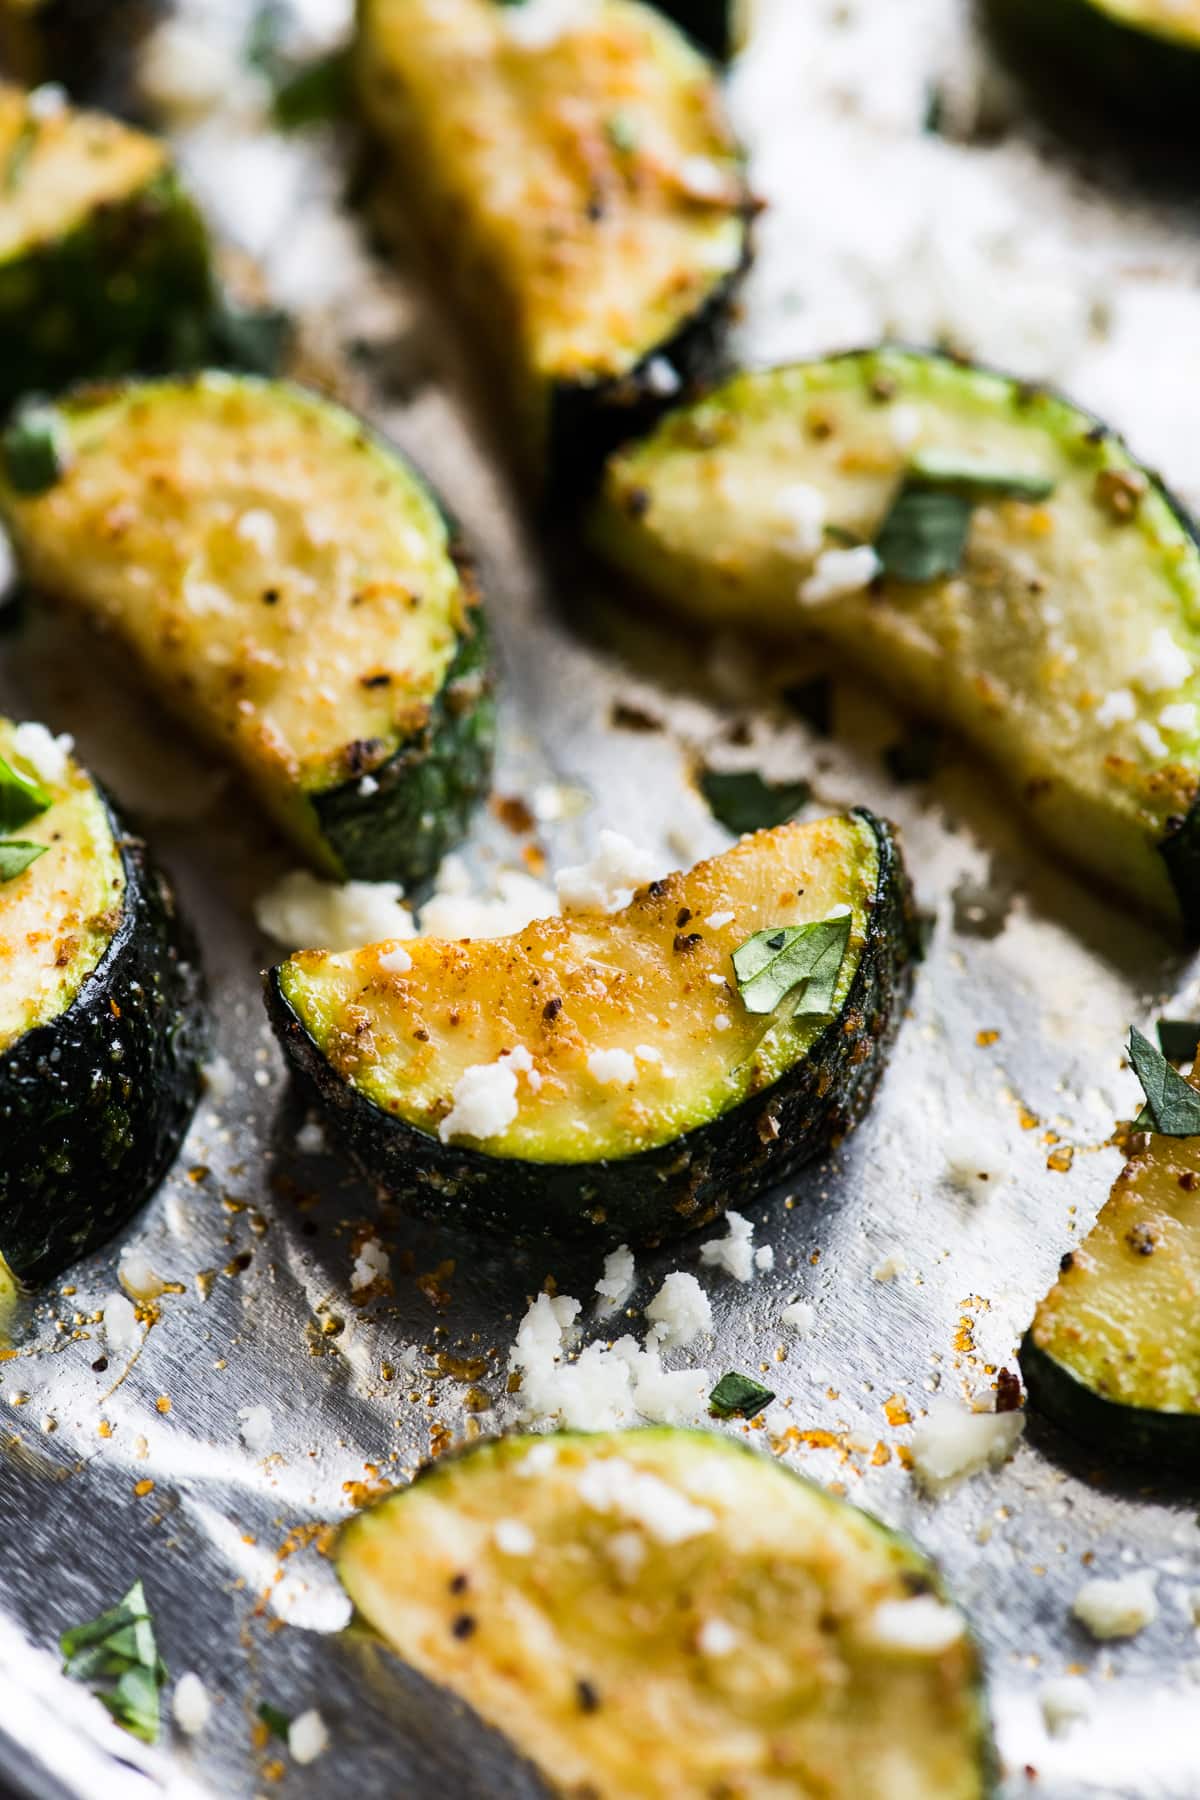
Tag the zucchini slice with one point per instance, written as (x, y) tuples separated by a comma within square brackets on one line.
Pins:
[(1059, 628), (104, 260), (1113, 1353), (1141, 55), (578, 186), (286, 582), (649, 1094), (101, 1018), (667, 1613)]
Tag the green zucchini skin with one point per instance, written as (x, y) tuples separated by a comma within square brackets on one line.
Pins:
[(131, 288), (1117, 1432), (675, 1187), (95, 1104), (57, 40), (1147, 75), (429, 789)]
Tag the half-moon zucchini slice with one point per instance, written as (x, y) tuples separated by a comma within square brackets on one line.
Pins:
[(578, 188), (985, 550), (101, 1021), (104, 262), (605, 1075), (1140, 55), (1113, 1353), (288, 584), (665, 1613)]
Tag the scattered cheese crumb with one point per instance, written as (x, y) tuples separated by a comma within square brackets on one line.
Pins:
[(922, 1626), (837, 573), (662, 377), (716, 920), (539, 23), (734, 1253), (259, 528), (613, 1485), (620, 1273), (647, 1053), (485, 1100), (138, 1277), (703, 179), (371, 1264), (307, 1737), (48, 756), (905, 425), (802, 510), (1150, 738), (1117, 1609), (722, 1022), (800, 1316), (615, 1067), (513, 1537), (1116, 708), (1166, 665), (301, 911), (609, 881), (716, 1637), (953, 1442), (191, 1707), (121, 1328), (256, 1427), (892, 1265), (605, 1386), (764, 1258), (310, 1139), (679, 1312), (395, 960), (628, 1551), (1179, 718), (454, 912), (1064, 1702), (219, 1078)]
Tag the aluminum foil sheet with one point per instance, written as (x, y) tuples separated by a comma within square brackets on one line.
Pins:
[(995, 232)]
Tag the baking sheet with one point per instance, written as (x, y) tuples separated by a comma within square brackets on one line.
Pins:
[(1004, 240)]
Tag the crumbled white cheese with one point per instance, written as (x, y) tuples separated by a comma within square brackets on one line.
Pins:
[(715, 920), (537, 1460), (368, 786), (307, 1737), (310, 1139), (667, 1396), (1178, 718), (612, 1067), (256, 1427), (922, 1626), (662, 377), (304, 912), (733, 1253), (722, 1022), (801, 510), (1116, 708), (485, 1100), (628, 1551), (1119, 1608), (191, 1707), (1064, 1701), (679, 1312), (604, 1386), (764, 1258), (47, 101), (219, 1078), (138, 1277), (609, 881), (953, 1442), (453, 911), (121, 1328), (48, 756), (514, 1537), (837, 573), (259, 528), (184, 72), (371, 1264), (893, 1264), (716, 980), (394, 961), (1150, 738), (647, 1053), (620, 1272), (703, 178), (614, 1485), (537, 24), (1166, 665), (800, 1316), (716, 1637), (905, 425)]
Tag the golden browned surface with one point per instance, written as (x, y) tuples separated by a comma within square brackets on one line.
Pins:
[(56, 168)]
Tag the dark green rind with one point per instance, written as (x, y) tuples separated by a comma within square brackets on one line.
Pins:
[(676, 1187), (429, 789), (126, 290), (1119, 1433), (1180, 850), (1152, 78), (94, 1106), (89, 45), (708, 23), (588, 420)]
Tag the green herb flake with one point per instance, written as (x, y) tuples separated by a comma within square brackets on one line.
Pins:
[(772, 963), (253, 338), (1172, 1105), (276, 1722), (738, 1396), (313, 93), (924, 535), (1179, 1039), (34, 449), (741, 800), (21, 797), (971, 478), (120, 1647), (16, 855)]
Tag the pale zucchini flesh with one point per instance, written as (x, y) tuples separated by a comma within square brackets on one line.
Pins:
[(1042, 649), (285, 582), (605, 1671)]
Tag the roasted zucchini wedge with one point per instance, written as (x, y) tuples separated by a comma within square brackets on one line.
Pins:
[(101, 1019), (578, 187), (290, 586), (607, 1076), (985, 550), (1142, 56), (104, 260), (1113, 1353), (669, 1615)]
